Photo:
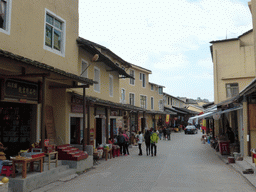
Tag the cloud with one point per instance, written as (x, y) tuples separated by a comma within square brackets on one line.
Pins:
[(158, 35)]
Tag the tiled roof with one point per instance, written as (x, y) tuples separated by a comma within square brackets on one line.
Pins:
[(90, 47), (46, 67)]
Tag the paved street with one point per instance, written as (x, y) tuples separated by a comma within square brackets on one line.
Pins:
[(182, 164)]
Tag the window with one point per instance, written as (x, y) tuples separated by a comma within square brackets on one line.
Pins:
[(143, 79), (152, 103), (143, 101), (152, 87), (122, 95), (96, 78), (160, 89), (84, 71), (140, 76), (168, 100), (232, 89), (5, 16), (161, 107), (132, 80), (111, 86), (54, 33), (131, 98)]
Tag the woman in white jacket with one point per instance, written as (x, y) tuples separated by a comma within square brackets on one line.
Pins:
[(140, 142)]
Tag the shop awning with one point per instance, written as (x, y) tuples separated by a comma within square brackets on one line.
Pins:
[(231, 109), (203, 116)]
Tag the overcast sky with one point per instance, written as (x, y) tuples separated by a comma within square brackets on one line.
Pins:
[(169, 37)]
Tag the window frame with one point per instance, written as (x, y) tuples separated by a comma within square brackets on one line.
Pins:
[(85, 74), (152, 87), (60, 52), (160, 92), (142, 106), (132, 81), (111, 87), (161, 103), (152, 103), (95, 85), (123, 92), (133, 99), (231, 89), (8, 19), (143, 80)]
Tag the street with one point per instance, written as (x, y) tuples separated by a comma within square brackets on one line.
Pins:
[(182, 164)]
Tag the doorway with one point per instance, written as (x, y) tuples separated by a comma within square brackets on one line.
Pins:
[(98, 131), (76, 132)]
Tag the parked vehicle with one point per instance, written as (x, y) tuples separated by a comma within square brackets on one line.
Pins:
[(190, 129)]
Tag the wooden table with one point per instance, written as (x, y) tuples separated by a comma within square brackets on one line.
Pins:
[(24, 163)]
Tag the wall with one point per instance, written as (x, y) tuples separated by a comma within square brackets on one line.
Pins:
[(233, 63), (27, 32), (104, 78)]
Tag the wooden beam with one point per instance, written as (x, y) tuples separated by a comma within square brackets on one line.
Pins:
[(67, 86), (26, 75)]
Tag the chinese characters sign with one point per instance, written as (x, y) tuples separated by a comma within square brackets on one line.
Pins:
[(21, 90)]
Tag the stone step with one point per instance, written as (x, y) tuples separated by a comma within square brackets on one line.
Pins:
[(52, 165)]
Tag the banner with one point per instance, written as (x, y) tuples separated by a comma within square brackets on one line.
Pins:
[(167, 121), (204, 124)]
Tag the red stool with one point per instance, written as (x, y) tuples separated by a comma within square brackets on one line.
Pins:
[(7, 170)]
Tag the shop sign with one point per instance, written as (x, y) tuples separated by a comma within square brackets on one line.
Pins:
[(77, 108), (113, 113), (76, 100), (100, 111), (21, 90)]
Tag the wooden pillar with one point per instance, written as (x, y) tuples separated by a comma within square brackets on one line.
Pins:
[(88, 124), (107, 120), (43, 112), (84, 112), (137, 122)]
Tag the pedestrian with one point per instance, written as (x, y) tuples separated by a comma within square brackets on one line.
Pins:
[(153, 141), (126, 144), (168, 133), (230, 135), (121, 142), (164, 133), (147, 142), (160, 133), (140, 142)]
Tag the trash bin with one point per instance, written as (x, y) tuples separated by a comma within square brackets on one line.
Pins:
[(224, 147)]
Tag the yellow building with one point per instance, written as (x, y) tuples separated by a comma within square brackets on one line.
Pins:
[(39, 61), (234, 68)]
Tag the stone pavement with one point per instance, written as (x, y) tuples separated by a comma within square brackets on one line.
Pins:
[(182, 164), (241, 166)]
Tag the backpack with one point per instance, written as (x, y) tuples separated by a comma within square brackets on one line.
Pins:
[(121, 139)]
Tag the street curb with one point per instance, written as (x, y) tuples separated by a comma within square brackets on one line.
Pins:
[(235, 167)]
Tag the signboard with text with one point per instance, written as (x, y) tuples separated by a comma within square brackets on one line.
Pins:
[(21, 90)]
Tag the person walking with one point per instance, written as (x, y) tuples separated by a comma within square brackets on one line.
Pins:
[(153, 141), (140, 142), (168, 133), (126, 144), (164, 133), (121, 142), (160, 133), (147, 142)]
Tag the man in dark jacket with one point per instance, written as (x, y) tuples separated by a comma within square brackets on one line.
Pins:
[(121, 143), (147, 142), (168, 133)]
